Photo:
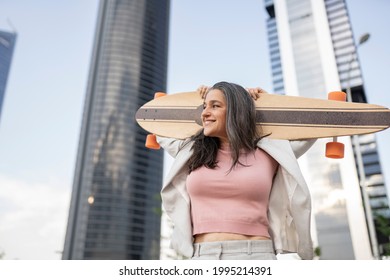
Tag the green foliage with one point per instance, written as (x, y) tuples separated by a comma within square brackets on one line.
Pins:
[(317, 251), (384, 228), (383, 225)]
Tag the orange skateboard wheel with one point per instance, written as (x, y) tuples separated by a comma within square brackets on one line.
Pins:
[(151, 142), (159, 94), (337, 96), (334, 150)]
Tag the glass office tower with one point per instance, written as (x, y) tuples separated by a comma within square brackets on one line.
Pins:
[(114, 211), (7, 45), (312, 52)]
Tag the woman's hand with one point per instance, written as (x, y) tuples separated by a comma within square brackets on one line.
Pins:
[(202, 90), (255, 92)]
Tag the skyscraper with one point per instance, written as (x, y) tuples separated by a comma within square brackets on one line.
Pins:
[(312, 52), (113, 211), (7, 45)]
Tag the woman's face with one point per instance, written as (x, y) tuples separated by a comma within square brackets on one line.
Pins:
[(214, 115)]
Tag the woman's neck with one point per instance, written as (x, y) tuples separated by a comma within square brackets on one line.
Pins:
[(224, 146)]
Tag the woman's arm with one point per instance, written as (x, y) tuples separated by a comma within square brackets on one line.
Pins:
[(171, 145), (301, 146)]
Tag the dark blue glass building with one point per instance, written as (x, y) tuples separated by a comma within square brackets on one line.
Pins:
[(7, 45), (114, 210)]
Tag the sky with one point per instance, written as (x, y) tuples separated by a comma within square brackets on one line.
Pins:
[(40, 123)]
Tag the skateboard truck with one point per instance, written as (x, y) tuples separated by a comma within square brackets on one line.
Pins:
[(151, 141), (335, 149)]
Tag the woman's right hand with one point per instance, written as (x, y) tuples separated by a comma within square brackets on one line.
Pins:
[(202, 90)]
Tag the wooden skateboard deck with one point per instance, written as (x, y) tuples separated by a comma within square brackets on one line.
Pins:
[(283, 117)]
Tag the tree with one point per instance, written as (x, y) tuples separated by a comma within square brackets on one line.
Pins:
[(383, 226)]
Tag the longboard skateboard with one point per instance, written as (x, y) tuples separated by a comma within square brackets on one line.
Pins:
[(282, 117)]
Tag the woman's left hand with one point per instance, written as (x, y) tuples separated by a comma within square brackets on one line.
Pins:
[(255, 92)]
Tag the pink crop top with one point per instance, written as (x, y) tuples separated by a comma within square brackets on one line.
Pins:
[(235, 202)]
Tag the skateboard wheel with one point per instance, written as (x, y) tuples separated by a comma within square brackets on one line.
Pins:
[(159, 94), (151, 142), (337, 96), (334, 150)]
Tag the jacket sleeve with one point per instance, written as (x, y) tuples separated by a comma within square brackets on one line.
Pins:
[(171, 145), (301, 146)]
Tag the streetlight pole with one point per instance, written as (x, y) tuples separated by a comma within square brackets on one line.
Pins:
[(359, 159)]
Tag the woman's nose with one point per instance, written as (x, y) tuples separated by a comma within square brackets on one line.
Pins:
[(205, 112)]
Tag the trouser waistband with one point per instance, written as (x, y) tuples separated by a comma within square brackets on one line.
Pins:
[(234, 246)]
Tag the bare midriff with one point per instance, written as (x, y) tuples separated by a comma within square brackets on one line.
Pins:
[(224, 236)]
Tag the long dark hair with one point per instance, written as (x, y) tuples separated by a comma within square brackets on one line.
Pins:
[(240, 128)]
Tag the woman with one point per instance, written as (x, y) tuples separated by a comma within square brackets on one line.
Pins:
[(232, 193)]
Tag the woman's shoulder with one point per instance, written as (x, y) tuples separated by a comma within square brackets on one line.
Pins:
[(172, 145), (299, 147)]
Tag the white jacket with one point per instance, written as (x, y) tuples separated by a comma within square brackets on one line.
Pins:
[(289, 207)]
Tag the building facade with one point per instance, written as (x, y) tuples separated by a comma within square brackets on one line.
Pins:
[(7, 45), (313, 52), (115, 205)]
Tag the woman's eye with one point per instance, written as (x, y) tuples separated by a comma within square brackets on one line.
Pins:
[(211, 106)]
